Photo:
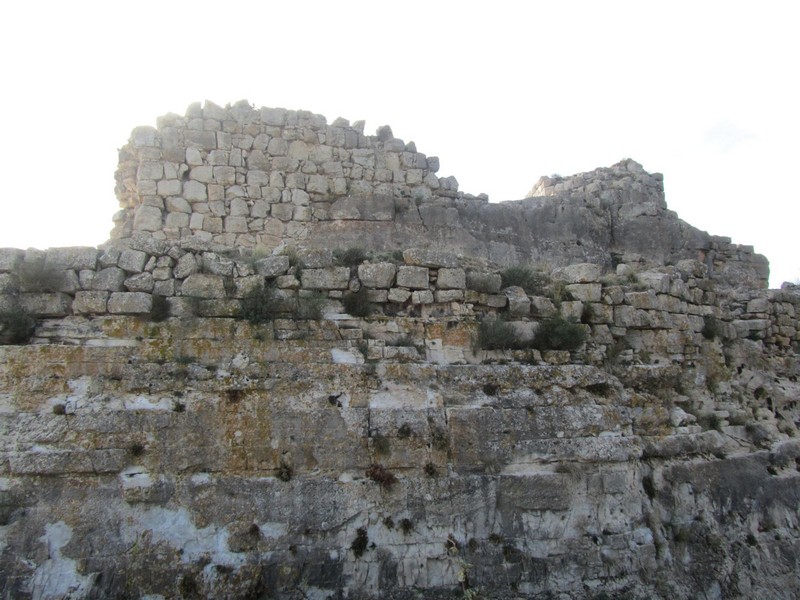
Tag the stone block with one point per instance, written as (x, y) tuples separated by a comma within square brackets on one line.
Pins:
[(200, 285), (519, 305), (169, 187), (10, 259), (443, 296), (271, 266), (542, 307), (412, 277), (579, 273), (147, 218), (426, 257), (130, 303), (141, 282), (110, 279), (331, 278), (451, 279), (90, 303), (422, 297), (75, 258), (316, 259), (377, 275), (194, 191), (587, 292), (46, 304), (572, 311), (493, 300), (542, 491), (644, 300), (187, 265), (398, 295), (654, 280), (9, 283), (132, 260), (758, 305)]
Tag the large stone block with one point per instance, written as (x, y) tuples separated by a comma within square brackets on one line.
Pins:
[(579, 273), (200, 285), (147, 218), (451, 279), (377, 275), (412, 277), (76, 258), (130, 303), (271, 266), (111, 279), (132, 260), (426, 257), (331, 278), (90, 303), (536, 492), (46, 305), (10, 258), (519, 305)]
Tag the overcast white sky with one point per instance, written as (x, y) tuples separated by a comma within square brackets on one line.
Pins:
[(503, 92)]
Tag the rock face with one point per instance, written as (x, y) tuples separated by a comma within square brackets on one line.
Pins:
[(230, 401)]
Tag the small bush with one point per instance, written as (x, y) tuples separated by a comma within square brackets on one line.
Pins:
[(360, 542), (285, 471), (310, 308), (380, 474), (381, 444), (40, 277), (352, 257), (430, 469), (16, 326), (711, 328), (496, 334), (259, 305), (558, 334), (357, 304), (533, 282), (406, 526), (159, 310), (439, 439)]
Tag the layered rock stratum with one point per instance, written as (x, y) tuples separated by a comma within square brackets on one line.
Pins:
[(307, 366)]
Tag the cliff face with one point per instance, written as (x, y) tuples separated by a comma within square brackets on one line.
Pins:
[(277, 414)]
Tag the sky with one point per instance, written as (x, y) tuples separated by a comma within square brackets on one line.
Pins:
[(503, 92)]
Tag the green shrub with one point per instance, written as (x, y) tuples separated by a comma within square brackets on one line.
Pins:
[(310, 307), (16, 326), (352, 257), (559, 334), (159, 310), (357, 303), (496, 334), (259, 305), (711, 328), (40, 277), (533, 282)]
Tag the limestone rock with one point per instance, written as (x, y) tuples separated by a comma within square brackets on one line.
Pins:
[(377, 275), (130, 303), (200, 285)]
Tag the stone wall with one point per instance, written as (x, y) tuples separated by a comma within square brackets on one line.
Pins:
[(238, 177)]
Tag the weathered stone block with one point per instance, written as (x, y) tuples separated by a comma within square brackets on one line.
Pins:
[(399, 295), (449, 296), (90, 303), (130, 303), (46, 305), (426, 257), (200, 285), (75, 258), (147, 218), (141, 282), (132, 260), (542, 491), (331, 278), (377, 275), (110, 279), (422, 297), (10, 259), (519, 305), (412, 277), (451, 279), (587, 292), (271, 266), (579, 273)]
